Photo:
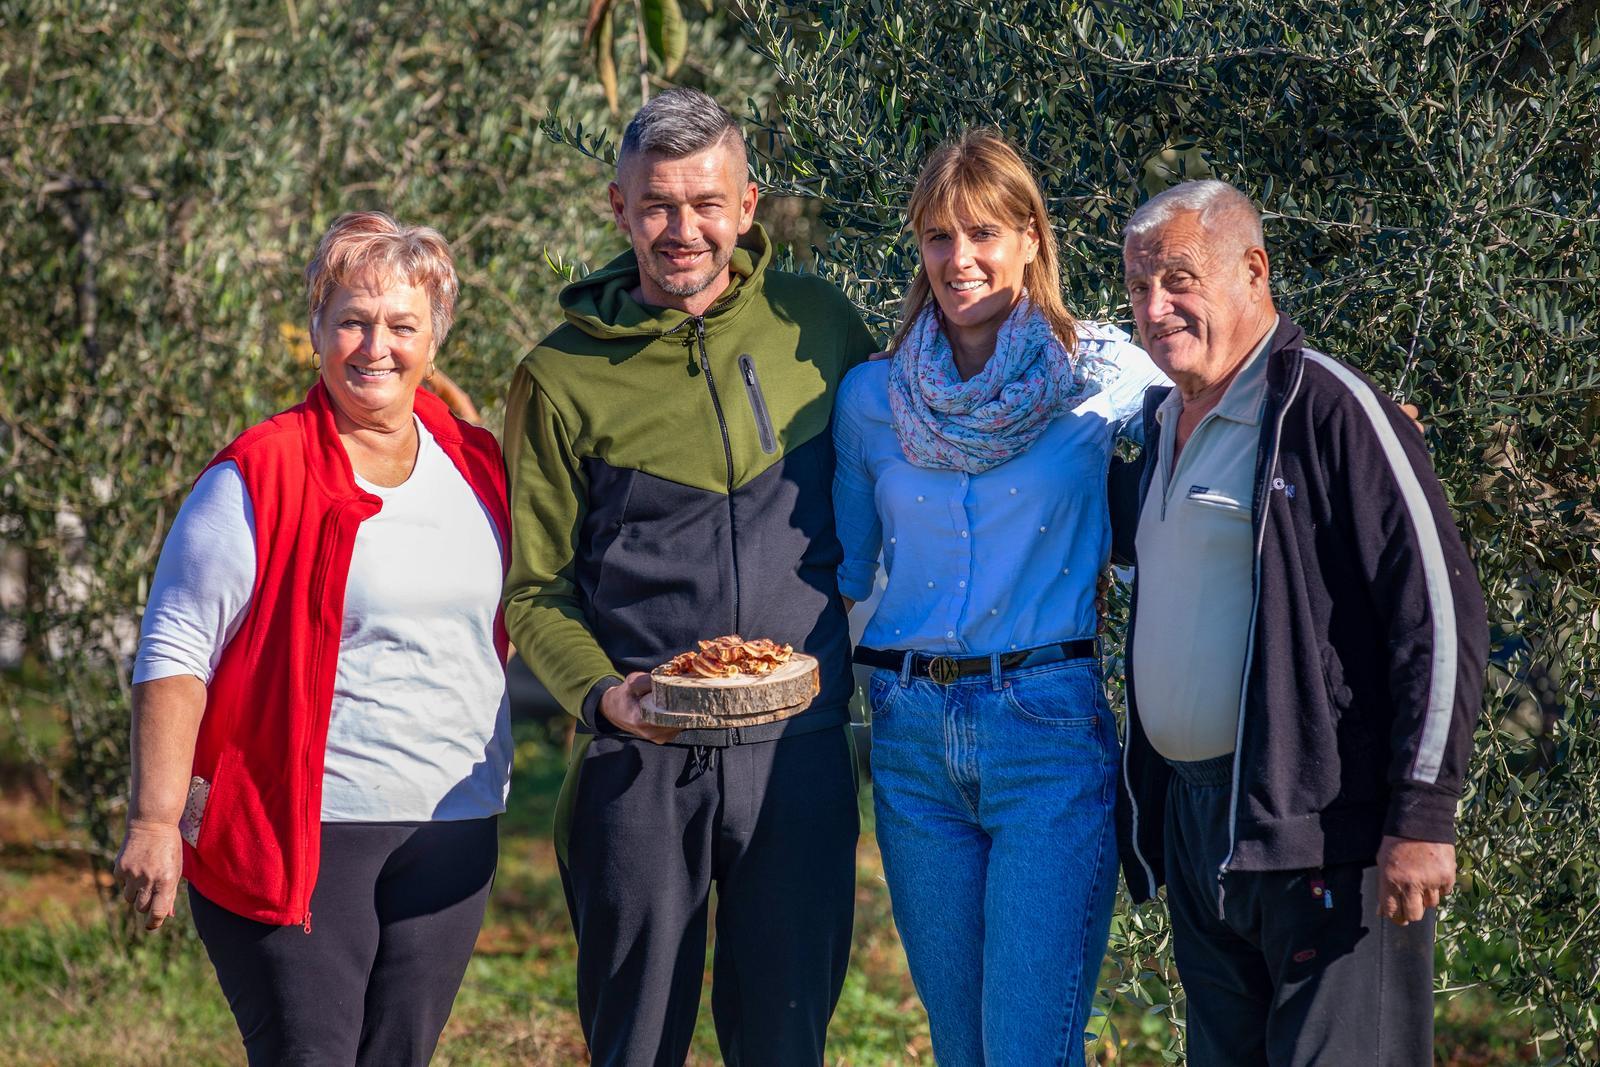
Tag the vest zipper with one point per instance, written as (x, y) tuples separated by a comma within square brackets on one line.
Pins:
[(1153, 457), (1262, 499), (313, 819), (727, 455), (758, 404)]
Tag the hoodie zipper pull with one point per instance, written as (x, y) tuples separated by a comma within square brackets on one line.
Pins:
[(306, 926)]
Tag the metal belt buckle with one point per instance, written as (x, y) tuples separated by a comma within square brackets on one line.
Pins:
[(943, 670)]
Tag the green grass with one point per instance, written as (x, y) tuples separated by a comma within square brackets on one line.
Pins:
[(73, 992)]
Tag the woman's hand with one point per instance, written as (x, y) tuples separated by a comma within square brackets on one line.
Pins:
[(148, 868), (166, 720)]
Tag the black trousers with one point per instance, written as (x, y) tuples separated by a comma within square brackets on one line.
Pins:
[(773, 826), (1297, 970), (395, 914)]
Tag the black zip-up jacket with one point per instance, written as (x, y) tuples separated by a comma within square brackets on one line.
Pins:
[(1368, 638)]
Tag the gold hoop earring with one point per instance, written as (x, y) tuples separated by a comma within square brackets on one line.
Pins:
[(316, 361)]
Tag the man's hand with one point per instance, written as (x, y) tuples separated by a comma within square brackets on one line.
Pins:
[(1413, 876), (148, 868), (620, 704)]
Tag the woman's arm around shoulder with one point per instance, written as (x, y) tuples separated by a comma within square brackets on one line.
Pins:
[(1123, 370)]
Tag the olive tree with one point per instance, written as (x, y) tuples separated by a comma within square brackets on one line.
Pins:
[(1429, 178)]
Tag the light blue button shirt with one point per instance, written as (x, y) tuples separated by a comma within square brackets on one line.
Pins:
[(981, 563)]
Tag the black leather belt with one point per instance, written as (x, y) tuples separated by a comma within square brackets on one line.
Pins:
[(946, 669)]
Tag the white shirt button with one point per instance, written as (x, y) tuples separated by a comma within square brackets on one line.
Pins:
[(963, 533), (962, 584), (1066, 570), (1041, 529), (920, 498), (930, 585), (1013, 646), (949, 633), (994, 611), (1013, 490), (891, 540)]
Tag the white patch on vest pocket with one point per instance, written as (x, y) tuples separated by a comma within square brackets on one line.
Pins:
[(194, 810)]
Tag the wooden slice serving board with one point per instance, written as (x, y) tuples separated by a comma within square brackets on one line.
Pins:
[(694, 703)]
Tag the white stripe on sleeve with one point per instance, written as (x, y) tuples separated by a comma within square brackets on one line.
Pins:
[(1435, 573)]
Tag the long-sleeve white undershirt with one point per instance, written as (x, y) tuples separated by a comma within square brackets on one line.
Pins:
[(420, 724)]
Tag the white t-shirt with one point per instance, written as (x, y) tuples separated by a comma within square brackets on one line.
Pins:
[(420, 727)]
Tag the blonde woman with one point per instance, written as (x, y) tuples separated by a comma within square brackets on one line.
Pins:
[(321, 743), (975, 460)]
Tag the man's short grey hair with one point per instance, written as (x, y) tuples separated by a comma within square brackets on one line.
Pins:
[(1221, 207), (678, 123)]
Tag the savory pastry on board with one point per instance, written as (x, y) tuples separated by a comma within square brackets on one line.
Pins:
[(729, 681)]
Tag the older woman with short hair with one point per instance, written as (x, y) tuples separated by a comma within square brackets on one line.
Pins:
[(321, 741)]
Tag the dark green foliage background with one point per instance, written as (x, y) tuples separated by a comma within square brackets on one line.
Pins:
[(1428, 170), (1429, 177)]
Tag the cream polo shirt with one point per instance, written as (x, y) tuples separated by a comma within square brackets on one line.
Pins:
[(1195, 562)]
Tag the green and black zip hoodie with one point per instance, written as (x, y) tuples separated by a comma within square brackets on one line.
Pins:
[(671, 480)]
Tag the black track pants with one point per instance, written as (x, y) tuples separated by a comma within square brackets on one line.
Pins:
[(1300, 972), (773, 826), (395, 914)]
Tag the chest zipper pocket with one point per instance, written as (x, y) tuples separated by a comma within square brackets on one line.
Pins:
[(758, 404), (1218, 502)]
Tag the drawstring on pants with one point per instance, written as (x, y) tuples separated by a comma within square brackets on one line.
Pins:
[(702, 760)]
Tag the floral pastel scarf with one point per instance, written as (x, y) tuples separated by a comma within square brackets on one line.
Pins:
[(949, 424)]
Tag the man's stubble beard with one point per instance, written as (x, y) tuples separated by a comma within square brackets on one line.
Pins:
[(719, 260)]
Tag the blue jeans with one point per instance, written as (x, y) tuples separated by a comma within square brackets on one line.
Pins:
[(994, 799)]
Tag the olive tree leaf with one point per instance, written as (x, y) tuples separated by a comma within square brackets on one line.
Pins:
[(605, 60), (666, 32)]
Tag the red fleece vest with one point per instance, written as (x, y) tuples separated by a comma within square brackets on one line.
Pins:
[(265, 729)]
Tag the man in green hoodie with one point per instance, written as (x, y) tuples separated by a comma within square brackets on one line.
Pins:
[(671, 471)]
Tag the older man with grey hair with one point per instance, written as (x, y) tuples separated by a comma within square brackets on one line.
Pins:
[(1305, 665), (671, 472)]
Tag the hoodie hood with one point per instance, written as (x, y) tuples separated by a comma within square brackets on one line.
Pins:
[(600, 304)]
